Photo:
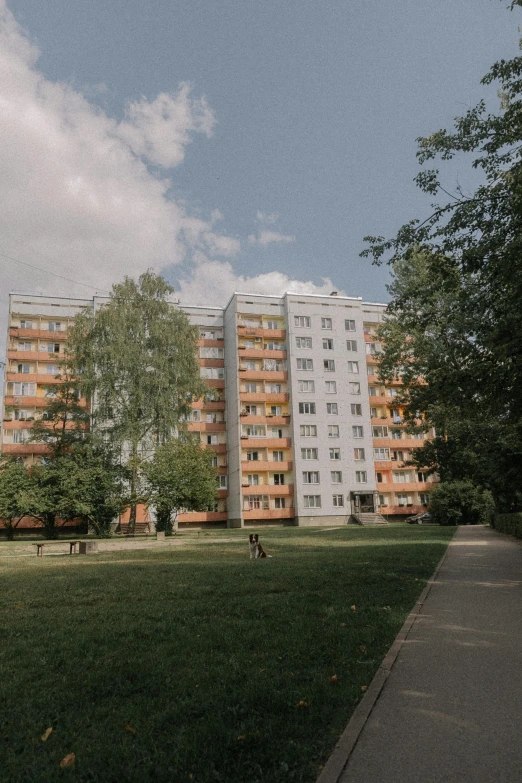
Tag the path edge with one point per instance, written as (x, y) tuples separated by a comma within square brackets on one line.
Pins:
[(338, 759)]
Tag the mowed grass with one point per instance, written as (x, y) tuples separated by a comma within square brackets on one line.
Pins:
[(220, 665)]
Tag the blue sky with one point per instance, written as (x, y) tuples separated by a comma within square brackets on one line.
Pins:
[(303, 144)]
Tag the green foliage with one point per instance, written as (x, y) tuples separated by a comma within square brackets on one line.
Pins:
[(180, 476), (461, 503), (508, 523), (15, 481), (65, 419), (136, 357), (455, 319)]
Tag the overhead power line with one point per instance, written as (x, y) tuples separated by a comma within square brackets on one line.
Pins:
[(55, 274)]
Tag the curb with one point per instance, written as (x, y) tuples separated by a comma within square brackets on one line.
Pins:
[(340, 755)]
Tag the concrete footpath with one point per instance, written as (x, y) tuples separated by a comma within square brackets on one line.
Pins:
[(451, 707)]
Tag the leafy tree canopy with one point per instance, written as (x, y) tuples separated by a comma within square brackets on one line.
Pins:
[(15, 482)]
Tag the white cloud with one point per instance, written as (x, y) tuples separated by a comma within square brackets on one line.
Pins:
[(213, 282), (268, 219), (266, 237)]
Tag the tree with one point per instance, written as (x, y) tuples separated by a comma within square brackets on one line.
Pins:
[(454, 328), (65, 420), (180, 475), (136, 359), (15, 482), (461, 503)]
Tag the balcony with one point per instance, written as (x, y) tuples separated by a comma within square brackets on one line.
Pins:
[(34, 356), (201, 405), (203, 516), (410, 486), (280, 490), (31, 377), (261, 353), (206, 426), (271, 513), (265, 443), (24, 448), (257, 466), (404, 510), (269, 419), (263, 397), (263, 375), (258, 331), (15, 331), (211, 362), (204, 343)]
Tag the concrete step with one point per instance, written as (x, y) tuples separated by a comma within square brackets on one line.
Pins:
[(368, 519)]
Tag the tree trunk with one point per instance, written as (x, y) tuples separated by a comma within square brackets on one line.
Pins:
[(133, 486)]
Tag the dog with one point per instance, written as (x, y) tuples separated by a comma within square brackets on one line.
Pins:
[(256, 550)]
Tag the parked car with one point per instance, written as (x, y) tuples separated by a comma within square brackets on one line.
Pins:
[(421, 519)]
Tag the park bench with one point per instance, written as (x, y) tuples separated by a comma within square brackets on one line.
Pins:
[(72, 547)]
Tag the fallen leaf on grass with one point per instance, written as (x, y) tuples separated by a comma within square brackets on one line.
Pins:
[(362, 648), (334, 680), (353, 608), (302, 704), (129, 728), (241, 737), (68, 761), (46, 734), (364, 687)]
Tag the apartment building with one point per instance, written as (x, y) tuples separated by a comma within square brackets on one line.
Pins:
[(302, 429)]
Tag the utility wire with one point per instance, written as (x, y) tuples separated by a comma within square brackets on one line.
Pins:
[(55, 274)]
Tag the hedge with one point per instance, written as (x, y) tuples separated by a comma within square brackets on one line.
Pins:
[(508, 523)]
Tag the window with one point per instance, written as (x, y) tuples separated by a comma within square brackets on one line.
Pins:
[(251, 388), (307, 407), (272, 325), (382, 454), (356, 409), (276, 410), (327, 344), (254, 502), (211, 418), (24, 369), (326, 323), (329, 365), (380, 432), (24, 389), (373, 413), (370, 369), (383, 500), (310, 477), (303, 342), (331, 387), (353, 367), (279, 479), (251, 410), (52, 369), (309, 454), (373, 391), (357, 431), (401, 477), (195, 416), (404, 500), (279, 502), (359, 454), (306, 386), (24, 346), (275, 388), (212, 440), (331, 408), (312, 501), (349, 325), (396, 434), (252, 456), (302, 321), (392, 392), (378, 476), (254, 431), (360, 477), (277, 432), (333, 430), (399, 456), (277, 456), (24, 324), (336, 476), (211, 372), (305, 364), (424, 498), (207, 352), (351, 345), (21, 436), (373, 348), (308, 430), (214, 462), (337, 501), (271, 346), (21, 415), (222, 482), (354, 387), (422, 477), (253, 479), (335, 453), (249, 365), (55, 326)]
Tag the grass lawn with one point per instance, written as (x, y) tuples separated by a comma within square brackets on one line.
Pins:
[(220, 665)]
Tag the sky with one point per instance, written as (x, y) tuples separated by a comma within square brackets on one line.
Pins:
[(230, 145)]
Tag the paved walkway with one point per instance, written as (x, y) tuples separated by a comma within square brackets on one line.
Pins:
[(451, 707)]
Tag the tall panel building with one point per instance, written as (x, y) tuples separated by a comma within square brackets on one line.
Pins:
[(302, 429)]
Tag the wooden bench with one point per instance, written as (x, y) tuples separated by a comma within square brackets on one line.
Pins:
[(72, 547)]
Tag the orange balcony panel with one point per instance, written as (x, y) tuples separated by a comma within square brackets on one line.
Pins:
[(285, 490), (204, 426), (267, 443), (218, 448), (262, 375), (404, 444), (269, 419), (215, 383), (410, 486), (256, 466), (203, 516), (210, 343), (379, 400), (34, 356), (266, 334), (384, 464), (30, 377), (201, 405), (404, 510), (272, 513), (260, 353), (15, 331), (211, 362), (262, 396), (24, 448), (17, 424), (222, 493)]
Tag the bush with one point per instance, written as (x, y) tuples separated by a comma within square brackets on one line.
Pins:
[(461, 503), (508, 523)]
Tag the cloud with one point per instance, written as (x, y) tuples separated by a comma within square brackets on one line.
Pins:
[(213, 282), (262, 217), (266, 237)]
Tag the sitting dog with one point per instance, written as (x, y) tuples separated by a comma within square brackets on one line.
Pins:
[(256, 550)]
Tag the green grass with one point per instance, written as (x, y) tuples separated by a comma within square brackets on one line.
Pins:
[(205, 653)]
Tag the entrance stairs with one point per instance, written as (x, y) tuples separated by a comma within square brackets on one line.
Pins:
[(370, 519)]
